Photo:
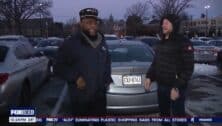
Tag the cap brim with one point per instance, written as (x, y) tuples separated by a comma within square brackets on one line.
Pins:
[(89, 16)]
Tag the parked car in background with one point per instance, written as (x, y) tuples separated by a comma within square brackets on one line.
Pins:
[(217, 38), (205, 39), (50, 53), (204, 52), (129, 38), (130, 61), (217, 43), (48, 48), (14, 38), (51, 41), (111, 37), (35, 40), (149, 40), (21, 72)]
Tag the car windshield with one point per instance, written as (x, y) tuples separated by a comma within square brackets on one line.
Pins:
[(130, 53), (216, 43), (150, 41), (46, 43), (3, 52), (111, 38), (219, 43), (8, 39), (206, 39)]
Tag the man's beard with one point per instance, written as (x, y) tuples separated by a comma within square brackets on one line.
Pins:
[(92, 37)]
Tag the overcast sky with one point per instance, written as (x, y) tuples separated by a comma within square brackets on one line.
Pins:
[(64, 10)]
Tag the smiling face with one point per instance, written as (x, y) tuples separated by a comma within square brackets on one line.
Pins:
[(90, 26), (167, 27)]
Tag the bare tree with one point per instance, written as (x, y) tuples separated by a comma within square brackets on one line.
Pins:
[(140, 9), (162, 7), (70, 26), (15, 12)]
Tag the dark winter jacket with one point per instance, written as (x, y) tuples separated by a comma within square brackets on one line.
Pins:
[(78, 58), (173, 63)]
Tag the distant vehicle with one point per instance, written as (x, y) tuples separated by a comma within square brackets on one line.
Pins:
[(35, 40), (205, 39), (50, 53), (111, 37), (52, 41), (129, 38), (48, 48), (149, 40), (21, 73), (130, 61), (14, 38), (204, 52), (217, 43), (217, 38)]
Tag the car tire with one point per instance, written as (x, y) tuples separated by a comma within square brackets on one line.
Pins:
[(25, 95)]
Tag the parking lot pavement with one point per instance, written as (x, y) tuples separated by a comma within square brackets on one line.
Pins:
[(203, 99), (48, 96)]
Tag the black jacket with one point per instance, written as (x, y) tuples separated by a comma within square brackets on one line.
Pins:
[(173, 63), (77, 58)]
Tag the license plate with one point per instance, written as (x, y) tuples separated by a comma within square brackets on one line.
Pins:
[(132, 80)]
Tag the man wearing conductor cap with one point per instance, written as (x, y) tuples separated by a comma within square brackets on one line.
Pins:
[(83, 62)]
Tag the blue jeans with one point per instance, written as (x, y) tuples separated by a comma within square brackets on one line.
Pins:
[(170, 108)]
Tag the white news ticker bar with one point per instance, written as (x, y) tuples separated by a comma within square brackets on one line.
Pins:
[(22, 119)]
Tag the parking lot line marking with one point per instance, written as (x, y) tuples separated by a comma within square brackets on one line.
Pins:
[(58, 103)]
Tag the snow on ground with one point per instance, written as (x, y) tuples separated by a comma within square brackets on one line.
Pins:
[(205, 69)]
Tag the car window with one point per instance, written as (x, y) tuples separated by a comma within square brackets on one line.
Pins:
[(130, 53), (212, 43), (8, 39), (3, 53), (46, 43), (110, 38), (150, 42), (43, 44), (199, 44), (219, 43)]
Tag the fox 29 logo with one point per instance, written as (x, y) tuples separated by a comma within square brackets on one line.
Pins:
[(22, 115)]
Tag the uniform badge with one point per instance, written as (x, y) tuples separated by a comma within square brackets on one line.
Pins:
[(190, 48), (81, 83)]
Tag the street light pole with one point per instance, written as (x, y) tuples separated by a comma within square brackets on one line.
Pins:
[(206, 7), (40, 6)]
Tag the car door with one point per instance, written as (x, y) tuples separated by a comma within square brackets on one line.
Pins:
[(38, 65), (26, 64)]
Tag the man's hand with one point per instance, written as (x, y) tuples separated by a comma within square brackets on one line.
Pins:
[(81, 84), (174, 94), (147, 84)]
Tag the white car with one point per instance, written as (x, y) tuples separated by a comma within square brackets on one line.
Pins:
[(21, 72), (205, 39), (14, 38), (204, 52), (217, 43)]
